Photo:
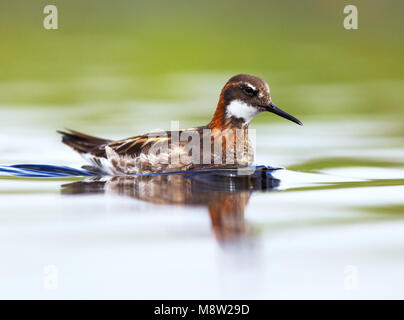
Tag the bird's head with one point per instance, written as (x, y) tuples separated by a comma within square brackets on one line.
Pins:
[(242, 98)]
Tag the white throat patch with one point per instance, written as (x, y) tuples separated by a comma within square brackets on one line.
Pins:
[(239, 109)]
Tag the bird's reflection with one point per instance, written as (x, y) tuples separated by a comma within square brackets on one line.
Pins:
[(224, 192)]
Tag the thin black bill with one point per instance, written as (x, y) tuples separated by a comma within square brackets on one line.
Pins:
[(274, 109)]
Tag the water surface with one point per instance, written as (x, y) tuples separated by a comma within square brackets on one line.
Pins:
[(335, 213)]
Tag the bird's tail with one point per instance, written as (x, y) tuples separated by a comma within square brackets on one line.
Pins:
[(82, 143)]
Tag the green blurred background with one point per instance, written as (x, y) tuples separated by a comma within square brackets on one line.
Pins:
[(110, 52)]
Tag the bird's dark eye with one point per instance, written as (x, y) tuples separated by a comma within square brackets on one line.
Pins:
[(248, 90)]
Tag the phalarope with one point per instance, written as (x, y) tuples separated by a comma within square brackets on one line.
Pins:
[(223, 143)]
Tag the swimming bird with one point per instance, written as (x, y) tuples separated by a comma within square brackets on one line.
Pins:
[(222, 143)]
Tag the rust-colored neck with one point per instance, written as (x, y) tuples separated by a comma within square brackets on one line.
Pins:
[(220, 120)]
